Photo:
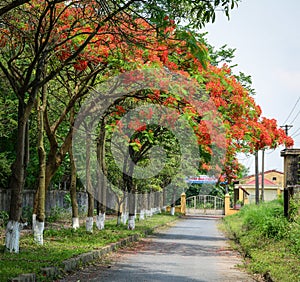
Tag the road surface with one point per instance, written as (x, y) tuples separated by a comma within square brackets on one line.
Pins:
[(191, 250)]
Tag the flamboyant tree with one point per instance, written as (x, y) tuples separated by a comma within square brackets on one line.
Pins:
[(239, 113), (246, 130), (37, 33), (110, 51), (7, 6), (31, 36)]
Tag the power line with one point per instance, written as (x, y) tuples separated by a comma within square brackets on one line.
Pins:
[(296, 135), (292, 110), (296, 116), (295, 132)]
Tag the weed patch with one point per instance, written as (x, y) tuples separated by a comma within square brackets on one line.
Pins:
[(268, 239)]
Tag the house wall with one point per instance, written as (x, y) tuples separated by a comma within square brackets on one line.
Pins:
[(270, 175), (270, 194), (275, 174)]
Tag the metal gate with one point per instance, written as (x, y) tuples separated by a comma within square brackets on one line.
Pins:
[(205, 204)]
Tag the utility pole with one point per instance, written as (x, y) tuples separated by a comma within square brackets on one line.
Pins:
[(263, 175), (256, 179), (286, 128)]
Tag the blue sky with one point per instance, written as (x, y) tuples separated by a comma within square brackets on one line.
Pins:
[(266, 35)]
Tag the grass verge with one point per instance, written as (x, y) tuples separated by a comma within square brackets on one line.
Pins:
[(269, 242), (64, 243)]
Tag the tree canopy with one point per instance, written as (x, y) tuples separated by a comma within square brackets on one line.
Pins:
[(54, 52)]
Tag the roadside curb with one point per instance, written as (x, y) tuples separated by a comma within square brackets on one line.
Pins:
[(83, 259)]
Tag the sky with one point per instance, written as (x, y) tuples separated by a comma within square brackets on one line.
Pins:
[(266, 35)]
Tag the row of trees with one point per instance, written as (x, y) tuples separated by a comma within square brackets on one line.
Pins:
[(54, 52)]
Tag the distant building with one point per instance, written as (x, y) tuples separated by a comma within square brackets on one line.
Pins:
[(273, 175), (273, 186)]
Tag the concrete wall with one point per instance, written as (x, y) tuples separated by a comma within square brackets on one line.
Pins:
[(54, 199), (270, 193)]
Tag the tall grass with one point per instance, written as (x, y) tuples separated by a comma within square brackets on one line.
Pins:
[(268, 240)]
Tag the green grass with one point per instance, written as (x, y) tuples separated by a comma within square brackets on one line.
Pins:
[(61, 244), (269, 242)]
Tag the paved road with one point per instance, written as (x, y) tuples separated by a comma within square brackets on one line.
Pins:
[(192, 250)]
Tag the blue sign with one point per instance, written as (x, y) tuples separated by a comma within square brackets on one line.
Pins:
[(202, 179)]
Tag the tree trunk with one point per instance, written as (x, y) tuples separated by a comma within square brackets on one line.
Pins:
[(101, 210), (38, 227), (164, 204), (172, 211), (148, 204), (12, 235), (100, 220), (119, 215), (125, 208), (131, 196), (132, 207), (143, 206), (73, 194), (90, 215), (17, 182)]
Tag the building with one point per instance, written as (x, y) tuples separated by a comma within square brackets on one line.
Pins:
[(273, 186), (273, 175)]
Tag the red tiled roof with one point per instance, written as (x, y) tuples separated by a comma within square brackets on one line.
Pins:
[(266, 172), (266, 182)]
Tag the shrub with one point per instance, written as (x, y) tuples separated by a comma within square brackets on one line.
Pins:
[(55, 214), (266, 218), (269, 241), (294, 236), (27, 214), (3, 218)]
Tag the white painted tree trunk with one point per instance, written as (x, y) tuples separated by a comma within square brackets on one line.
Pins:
[(38, 232), (89, 224), (75, 223), (100, 221), (172, 210), (124, 217), (12, 236), (142, 215), (131, 222), (153, 211), (119, 219), (33, 222), (150, 212)]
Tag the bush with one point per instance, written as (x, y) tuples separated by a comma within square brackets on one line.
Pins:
[(3, 218), (27, 214), (294, 237), (55, 214), (266, 218), (269, 241)]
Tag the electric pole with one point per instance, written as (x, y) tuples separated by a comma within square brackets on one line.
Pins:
[(262, 175), (286, 128), (256, 179)]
